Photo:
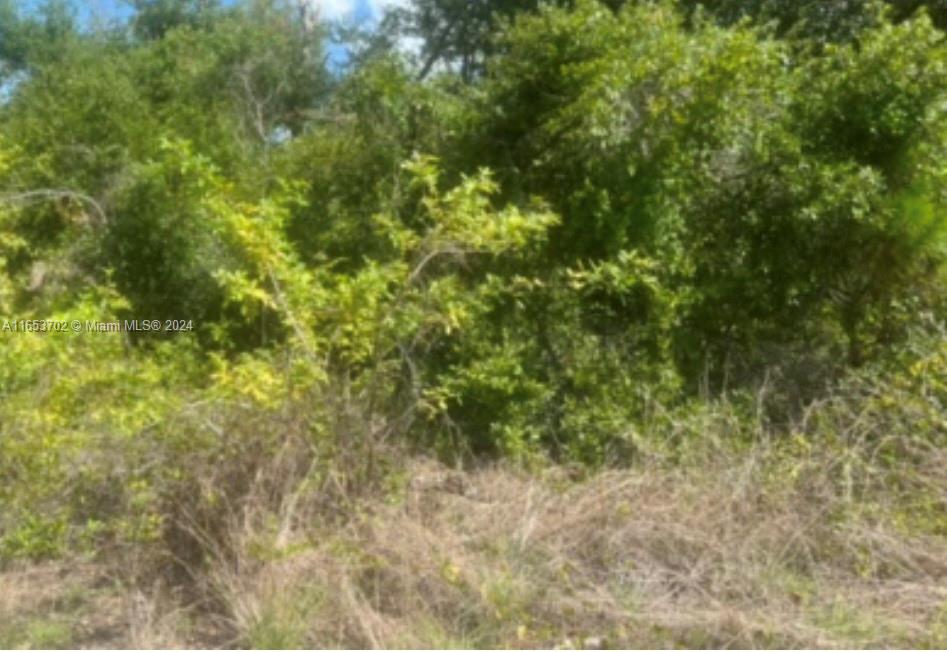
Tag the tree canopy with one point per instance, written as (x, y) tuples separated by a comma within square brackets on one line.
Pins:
[(517, 241)]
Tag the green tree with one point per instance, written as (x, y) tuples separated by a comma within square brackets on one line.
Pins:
[(819, 20), (758, 177), (155, 18), (91, 121)]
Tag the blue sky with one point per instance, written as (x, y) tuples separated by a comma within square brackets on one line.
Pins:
[(364, 12), (357, 10)]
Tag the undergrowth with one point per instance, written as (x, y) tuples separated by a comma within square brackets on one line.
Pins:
[(728, 532)]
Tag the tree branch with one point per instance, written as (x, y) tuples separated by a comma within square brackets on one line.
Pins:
[(49, 194)]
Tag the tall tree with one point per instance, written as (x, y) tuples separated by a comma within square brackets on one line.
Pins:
[(457, 34)]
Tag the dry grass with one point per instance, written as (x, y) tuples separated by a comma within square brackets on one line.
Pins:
[(773, 546), (732, 552), (89, 605)]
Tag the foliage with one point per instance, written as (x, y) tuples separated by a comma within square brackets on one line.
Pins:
[(594, 226), (716, 152)]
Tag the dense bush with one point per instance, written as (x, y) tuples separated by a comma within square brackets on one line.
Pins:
[(609, 218)]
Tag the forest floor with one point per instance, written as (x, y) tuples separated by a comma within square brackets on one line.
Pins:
[(723, 552)]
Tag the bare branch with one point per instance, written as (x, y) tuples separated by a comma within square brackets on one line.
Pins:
[(30, 197)]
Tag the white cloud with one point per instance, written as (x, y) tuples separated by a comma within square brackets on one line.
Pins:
[(347, 9), (410, 45), (369, 13), (331, 9), (379, 7)]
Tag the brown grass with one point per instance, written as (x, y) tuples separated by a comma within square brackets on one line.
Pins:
[(788, 545)]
